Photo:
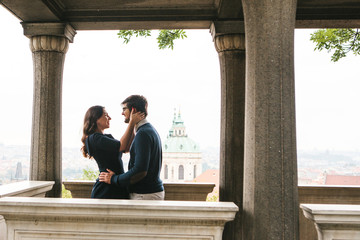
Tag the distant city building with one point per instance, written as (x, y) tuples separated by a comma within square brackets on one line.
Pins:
[(18, 174), (182, 158)]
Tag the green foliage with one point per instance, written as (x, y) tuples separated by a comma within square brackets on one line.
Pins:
[(213, 197), (89, 174), (65, 193), (165, 38), (339, 40), (127, 34)]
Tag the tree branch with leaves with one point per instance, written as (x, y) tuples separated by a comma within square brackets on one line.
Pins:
[(165, 38), (340, 41)]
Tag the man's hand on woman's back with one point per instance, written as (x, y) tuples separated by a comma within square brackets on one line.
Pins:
[(106, 176)]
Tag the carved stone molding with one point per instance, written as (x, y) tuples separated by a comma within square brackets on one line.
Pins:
[(230, 42), (91, 219), (49, 43), (49, 29), (334, 221)]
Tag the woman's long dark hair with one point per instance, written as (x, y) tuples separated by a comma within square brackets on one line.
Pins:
[(90, 126)]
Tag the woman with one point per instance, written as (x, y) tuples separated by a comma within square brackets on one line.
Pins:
[(106, 150)]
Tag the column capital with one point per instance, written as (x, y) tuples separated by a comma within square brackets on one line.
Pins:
[(49, 43), (49, 29), (218, 28), (230, 42), (228, 35)]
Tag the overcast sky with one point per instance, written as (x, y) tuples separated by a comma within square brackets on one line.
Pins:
[(100, 70)]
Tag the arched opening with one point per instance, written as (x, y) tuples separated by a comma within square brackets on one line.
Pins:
[(181, 172), (166, 172)]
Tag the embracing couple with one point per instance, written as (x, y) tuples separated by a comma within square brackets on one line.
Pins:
[(142, 180)]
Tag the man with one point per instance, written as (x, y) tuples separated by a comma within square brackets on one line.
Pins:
[(143, 176)]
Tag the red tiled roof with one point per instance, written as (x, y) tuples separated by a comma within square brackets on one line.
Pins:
[(342, 180), (210, 176)]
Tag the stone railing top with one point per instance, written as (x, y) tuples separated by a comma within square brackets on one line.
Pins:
[(90, 182), (333, 192), (188, 183), (334, 221), (188, 191), (332, 213), (17, 188), (329, 186), (194, 184), (123, 210), (332, 209), (189, 187)]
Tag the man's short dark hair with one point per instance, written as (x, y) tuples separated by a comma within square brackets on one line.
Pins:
[(138, 102)]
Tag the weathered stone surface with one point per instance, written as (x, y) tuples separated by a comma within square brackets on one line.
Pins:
[(49, 43), (324, 195), (54, 218), (59, 29), (270, 206), (188, 191), (26, 189), (230, 42), (165, 14), (231, 49), (334, 221), (48, 59), (173, 191)]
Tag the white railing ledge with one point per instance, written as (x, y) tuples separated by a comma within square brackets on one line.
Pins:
[(334, 221), (26, 189), (337, 212), (40, 218)]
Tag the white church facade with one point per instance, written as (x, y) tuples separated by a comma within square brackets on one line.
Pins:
[(182, 158)]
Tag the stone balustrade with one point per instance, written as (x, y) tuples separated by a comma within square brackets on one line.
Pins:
[(323, 194), (188, 191), (173, 191), (79, 188), (26, 189), (58, 218), (334, 221)]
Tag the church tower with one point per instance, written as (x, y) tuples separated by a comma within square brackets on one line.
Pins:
[(182, 160)]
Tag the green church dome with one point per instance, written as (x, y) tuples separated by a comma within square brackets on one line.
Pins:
[(177, 140), (180, 144)]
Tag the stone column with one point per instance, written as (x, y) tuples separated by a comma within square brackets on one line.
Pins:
[(229, 41), (270, 207), (49, 43)]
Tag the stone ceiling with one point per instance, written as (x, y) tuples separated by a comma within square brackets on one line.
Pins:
[(156, 14)]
